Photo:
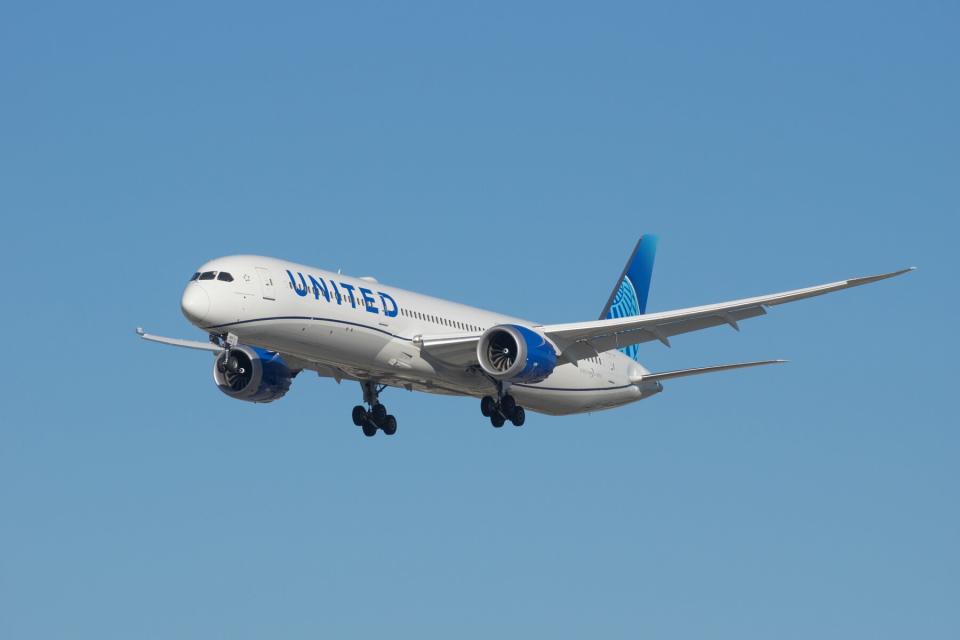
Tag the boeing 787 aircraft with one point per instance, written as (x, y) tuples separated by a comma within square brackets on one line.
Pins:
[(268, 320)]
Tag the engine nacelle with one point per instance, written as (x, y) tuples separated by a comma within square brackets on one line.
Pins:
[(252, 374), (515, 353)]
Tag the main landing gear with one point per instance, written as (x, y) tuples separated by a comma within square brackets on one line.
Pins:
[(377, 417), (499, 411)]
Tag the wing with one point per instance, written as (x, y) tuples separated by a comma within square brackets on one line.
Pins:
[(584, 339), (452, 351), (178, 342), (294, 362), (579, 340)]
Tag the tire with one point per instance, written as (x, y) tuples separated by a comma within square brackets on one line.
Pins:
[(369, 430), (359, 415), (497, 420), (507, 405), (487, 406), (390, 425), (519, 417), (379, 413)]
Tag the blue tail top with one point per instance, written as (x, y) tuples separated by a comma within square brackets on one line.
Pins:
[(629, 295)]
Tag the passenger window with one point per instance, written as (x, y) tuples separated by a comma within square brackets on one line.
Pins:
[(226, 277), (208, 275)]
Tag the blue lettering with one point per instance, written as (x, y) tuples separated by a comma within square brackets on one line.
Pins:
[(368, 300), (349, 289), (301, 290), (320, 286), (384, 298), (336, 291)]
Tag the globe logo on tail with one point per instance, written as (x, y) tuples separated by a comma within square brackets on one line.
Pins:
[(626, 304)]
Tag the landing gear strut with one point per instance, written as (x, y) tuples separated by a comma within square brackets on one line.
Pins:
[(502, 408), (226, 341), (227, 364), (376, 417)]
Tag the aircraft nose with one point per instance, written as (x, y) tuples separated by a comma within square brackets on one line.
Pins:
[(195, 303)]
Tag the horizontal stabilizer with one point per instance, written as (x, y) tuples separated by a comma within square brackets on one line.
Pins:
[(680, 373)]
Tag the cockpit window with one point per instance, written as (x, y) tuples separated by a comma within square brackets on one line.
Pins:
[(195, 276), (208, 275), (226, 277)]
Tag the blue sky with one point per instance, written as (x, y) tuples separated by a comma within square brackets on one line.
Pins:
[(506, 155)]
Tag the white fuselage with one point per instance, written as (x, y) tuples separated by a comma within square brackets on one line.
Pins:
[(360, 329)]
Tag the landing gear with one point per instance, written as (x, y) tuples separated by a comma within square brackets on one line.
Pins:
[(359, 415), (487, 406), (389, 425), (501, 411), (508, 405), (377, 417)]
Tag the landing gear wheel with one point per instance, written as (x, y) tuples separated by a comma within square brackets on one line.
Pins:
[(376, 418), (359, 415), (507, 405), (519, 417), (497, 420), (389, 425), (487, 406)]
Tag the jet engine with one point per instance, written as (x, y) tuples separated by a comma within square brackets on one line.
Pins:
[(252, 374), (515, 353)]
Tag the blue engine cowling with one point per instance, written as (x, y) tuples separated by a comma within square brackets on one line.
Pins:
[(515, 353), (252, 374)]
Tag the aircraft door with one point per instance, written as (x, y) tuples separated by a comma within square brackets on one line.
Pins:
[(267, 287)]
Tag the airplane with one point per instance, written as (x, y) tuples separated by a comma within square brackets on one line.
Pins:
[(268, 320)]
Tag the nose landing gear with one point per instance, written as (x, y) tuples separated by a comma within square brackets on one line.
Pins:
[(377, 417)]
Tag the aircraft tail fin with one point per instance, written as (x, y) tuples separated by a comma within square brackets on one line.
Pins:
[(629, 295)]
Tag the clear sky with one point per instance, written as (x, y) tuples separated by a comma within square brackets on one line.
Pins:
[(506, 155)]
